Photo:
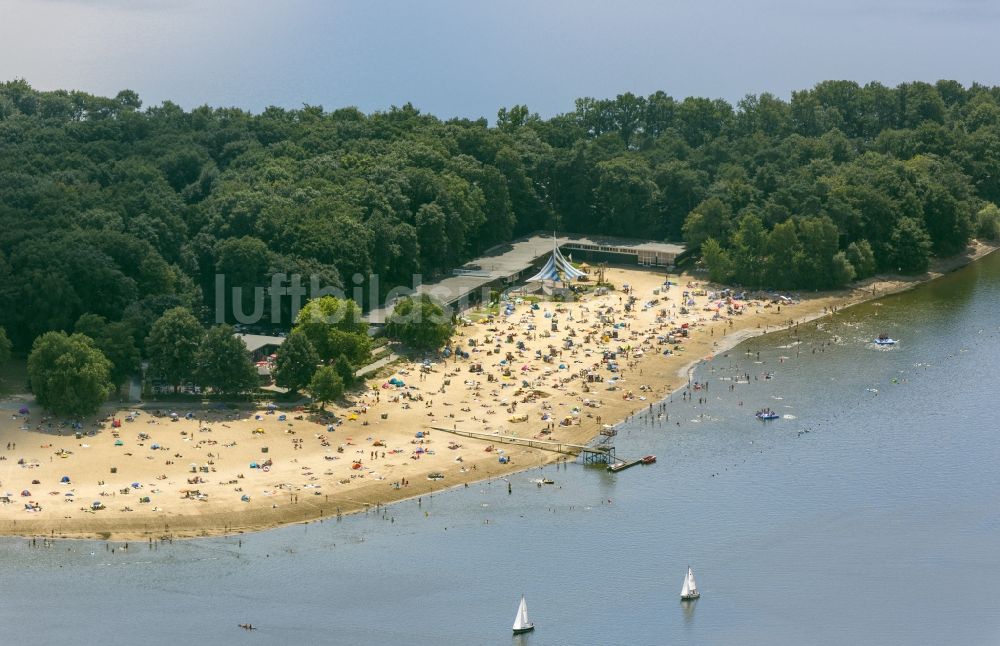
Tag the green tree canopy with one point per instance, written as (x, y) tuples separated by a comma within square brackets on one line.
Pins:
[(710, 219), (223, 364), (720, 265), (172, 345), (335, 326), (296, 363), (4, 346), (862, 258), (345, 369), (121, 210), (116, 341), (419, 322), (988, 222), (911, 246), (326, 386), (68, 374)]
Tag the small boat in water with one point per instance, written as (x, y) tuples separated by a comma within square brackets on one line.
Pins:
[(649, 459), (689, 591), (766, 413), (884, 339), (521, 623)]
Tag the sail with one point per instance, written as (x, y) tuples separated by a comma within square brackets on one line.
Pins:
[(521, 620), (689, 589)]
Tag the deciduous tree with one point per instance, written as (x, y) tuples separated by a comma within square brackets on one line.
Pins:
[(223, 364), (326, 386), (419, 322), (172, 345), (68, 374), (296, 363)]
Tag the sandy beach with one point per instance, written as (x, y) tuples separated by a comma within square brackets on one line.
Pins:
[(164, 470)]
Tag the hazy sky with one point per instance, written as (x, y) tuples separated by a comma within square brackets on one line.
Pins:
[(468, 57)]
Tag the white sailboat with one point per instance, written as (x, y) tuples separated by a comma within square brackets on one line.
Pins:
[(689, 590), (521, 623)]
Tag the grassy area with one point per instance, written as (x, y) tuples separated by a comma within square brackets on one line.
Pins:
[(14, 377), (481, 313), (384, 372)]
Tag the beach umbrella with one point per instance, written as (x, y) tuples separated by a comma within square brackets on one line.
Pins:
[(96, 504), (136, 485), (23, 410), (119, 443), (64, 479), (155, 447), (25, 493)]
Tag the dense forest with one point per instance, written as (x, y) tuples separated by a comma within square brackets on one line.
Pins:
[(124, 212)]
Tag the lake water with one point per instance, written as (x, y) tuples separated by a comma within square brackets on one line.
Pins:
[(880, 525)]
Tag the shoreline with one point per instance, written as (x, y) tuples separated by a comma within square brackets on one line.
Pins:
[(219, 519)]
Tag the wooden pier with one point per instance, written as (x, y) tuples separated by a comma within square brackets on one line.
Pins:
[(591, 454), (621, 466)]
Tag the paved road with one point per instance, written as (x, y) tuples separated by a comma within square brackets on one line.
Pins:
[(375, 365)]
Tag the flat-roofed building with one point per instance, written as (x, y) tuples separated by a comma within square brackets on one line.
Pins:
[(261, 346), (506, 264), (644, 252)]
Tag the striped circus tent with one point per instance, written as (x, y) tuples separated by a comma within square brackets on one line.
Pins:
[(557, 268)]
